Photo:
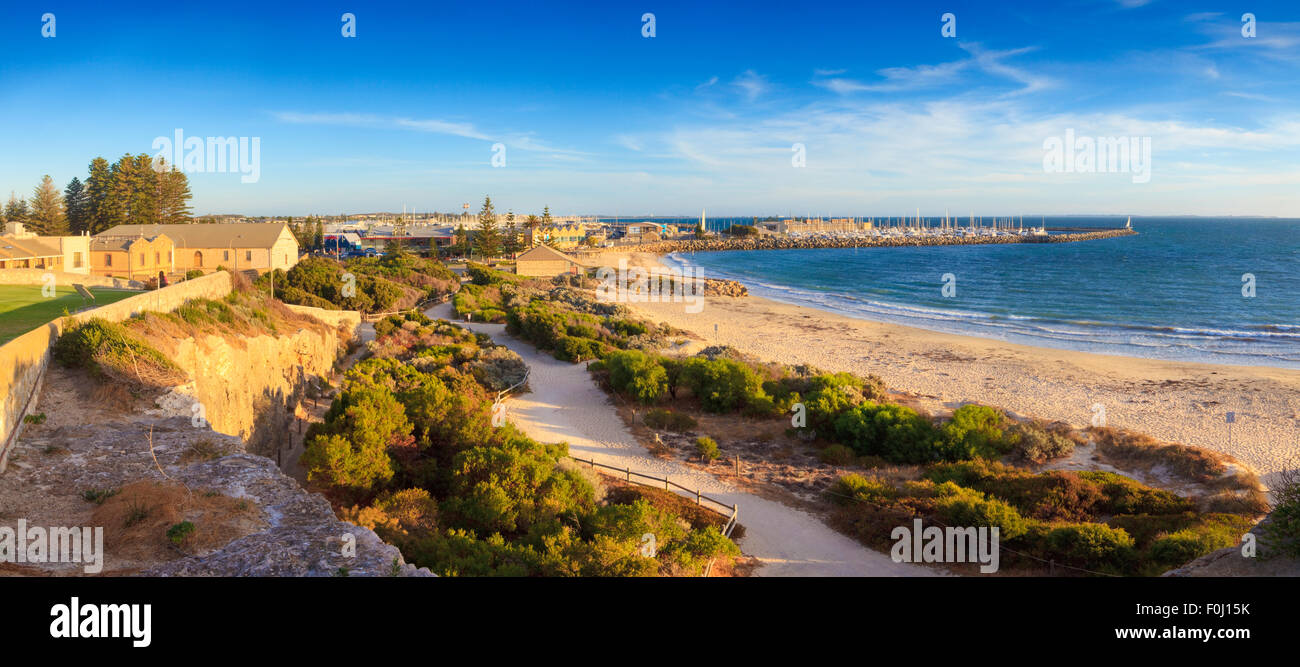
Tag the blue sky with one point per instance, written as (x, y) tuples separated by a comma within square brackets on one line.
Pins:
[(596, 118)]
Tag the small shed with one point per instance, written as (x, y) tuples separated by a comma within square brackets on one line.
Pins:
[(545, 262)]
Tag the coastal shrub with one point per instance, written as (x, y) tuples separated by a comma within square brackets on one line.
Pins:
[(826, 396), (707, 449), (897, 433), (636, 374), (692, 553), (965, 508), (1034, 443), (1281, 530), (424, 467), (722, 385), (350, 456), (667, 420), (193, 273), (1092, 546), (109, 351), (571, 348), (837, 455), (973, 431), (1060, 495), (853, 488), (1129, 496), (1134, 449)]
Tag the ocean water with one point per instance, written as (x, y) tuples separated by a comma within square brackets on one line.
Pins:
[(1172, 292)]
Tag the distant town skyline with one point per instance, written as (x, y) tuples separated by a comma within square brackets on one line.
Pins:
[(762, 110)]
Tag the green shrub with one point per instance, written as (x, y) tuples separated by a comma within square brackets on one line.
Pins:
[(721, 385), (667, 420), (974, 431), (1129, 496), (107, 349), (179, 532), (569, 348), (701, 545), (707, 448), (634, 373), (1092, 546), (1281, 530), (970, 509), (193, 273), (894, 432), (837, 455), (854, 487)]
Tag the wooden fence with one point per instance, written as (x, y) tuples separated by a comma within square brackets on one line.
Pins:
[(731, 511)]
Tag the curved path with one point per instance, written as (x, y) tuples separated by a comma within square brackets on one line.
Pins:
[(565, 405)]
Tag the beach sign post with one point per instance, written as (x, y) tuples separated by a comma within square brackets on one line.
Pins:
[(1231, 418)]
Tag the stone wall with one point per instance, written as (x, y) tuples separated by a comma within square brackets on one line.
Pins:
[(61, 278), (25, 358), (249, 386)]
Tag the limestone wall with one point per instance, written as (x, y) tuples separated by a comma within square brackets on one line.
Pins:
[(63, 278), (24, 359)]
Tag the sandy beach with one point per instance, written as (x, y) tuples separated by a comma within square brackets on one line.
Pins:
[(1173, 401)]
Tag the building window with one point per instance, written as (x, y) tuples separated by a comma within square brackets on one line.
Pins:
[(225, 255), (157, 258), (108, 259), (170, 259), (141, 259), (198, 259), (248, 255), (76, 260)]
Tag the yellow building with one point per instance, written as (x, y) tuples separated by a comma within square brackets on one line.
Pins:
[(20, 249), (564, 236), (138, 258), (236, 246)]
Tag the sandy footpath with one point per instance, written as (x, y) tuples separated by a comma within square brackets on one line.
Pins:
[(1179, 402), (566, 405)]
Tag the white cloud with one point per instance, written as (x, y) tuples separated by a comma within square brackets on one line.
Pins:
[(751, 84)]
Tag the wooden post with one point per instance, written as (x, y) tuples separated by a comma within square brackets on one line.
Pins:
[(665, 482), (697, 496), (738, 465), (629, 474)]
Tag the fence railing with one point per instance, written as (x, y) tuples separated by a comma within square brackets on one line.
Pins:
[(419, 308), (506, 392), (732, 511)]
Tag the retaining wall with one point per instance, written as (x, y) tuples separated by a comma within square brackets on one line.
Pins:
[(24, 359)]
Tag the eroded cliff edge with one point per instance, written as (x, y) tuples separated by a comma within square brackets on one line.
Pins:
[(140, 463)]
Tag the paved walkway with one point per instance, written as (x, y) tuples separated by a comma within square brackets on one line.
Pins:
[(565, 405)]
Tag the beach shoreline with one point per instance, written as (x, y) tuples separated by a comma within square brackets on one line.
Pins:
[(1182, 402)]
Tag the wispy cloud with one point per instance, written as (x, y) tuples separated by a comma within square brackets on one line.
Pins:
[(751, 84), (523, 141), (920, 77)]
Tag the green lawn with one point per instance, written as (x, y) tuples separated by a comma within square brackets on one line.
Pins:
[(22, 308)]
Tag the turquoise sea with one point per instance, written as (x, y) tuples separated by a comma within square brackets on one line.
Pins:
[(1174, 291)]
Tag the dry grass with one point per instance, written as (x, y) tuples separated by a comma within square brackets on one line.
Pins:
[(203, 450), (113, 397), (1129, 450), (136, 520)]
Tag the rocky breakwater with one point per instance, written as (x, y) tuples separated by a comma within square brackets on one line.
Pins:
[(793, 243), (720, 287)]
